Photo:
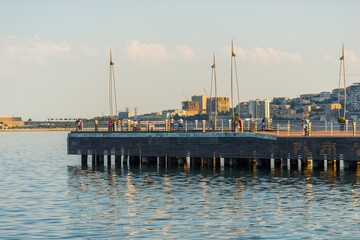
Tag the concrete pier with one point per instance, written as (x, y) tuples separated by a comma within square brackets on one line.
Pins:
[(216, 150)]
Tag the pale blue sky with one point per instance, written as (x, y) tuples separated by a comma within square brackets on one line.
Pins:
[(54, 54)]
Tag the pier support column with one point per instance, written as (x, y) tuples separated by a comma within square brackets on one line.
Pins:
[(294, 164), (109, 160), (84, 159), (118, 161), (188, 161), (93, 160), (272, 163), (325, 165), (341, 165), (284, 163), (314, 164), (222, 162)]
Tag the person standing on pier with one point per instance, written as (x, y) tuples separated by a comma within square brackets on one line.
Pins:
[(306, 127), (263, 124), (172, 122), (109, 125), (181, 124)]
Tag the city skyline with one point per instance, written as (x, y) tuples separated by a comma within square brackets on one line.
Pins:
[(54, 59)]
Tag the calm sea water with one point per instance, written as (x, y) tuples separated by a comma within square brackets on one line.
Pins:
[(46, 194)]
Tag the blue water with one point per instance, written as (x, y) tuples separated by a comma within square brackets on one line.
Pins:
[(46, 194)]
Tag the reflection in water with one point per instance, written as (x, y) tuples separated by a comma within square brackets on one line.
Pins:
[(224, 203)]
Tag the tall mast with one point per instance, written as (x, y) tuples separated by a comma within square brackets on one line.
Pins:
[(232, 94), (342, 64), (216, 97), (112, 87), (343, 60), (213, 79)]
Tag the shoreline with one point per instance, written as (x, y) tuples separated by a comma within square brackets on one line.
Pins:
[(38, 130)]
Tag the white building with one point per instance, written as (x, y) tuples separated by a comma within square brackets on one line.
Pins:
[(259, 108)]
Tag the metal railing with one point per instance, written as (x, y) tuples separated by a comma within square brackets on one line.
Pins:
[(279, 128)]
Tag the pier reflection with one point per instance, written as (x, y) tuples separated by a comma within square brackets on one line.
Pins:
[(136, 201)]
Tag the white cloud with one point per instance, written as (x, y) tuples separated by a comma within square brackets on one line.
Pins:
[(153, 51), (259, 54), (158, 52), (28, 50), (350, 57), (185, 51)]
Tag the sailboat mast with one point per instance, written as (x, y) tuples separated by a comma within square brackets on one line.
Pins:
[(216, 99), (343, 61), (110, 86), (232, 97)]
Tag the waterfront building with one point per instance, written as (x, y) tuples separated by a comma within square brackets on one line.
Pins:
[(280, 100), (190, 105), (244, 109), (202, 99), (259, 108), (222, 104), (10, 122), (126, 115), (167, 114), (353, 101)]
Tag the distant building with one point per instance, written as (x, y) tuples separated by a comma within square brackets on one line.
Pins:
[(222, 104), (202, 99), (325, 94), (154, 116), (332, 111), (244, 109), (11, 122), (259, 108), (309, 96), (126, 115), (190, 106), (166, 114), (335, 93), (353, 101), (280, 100)]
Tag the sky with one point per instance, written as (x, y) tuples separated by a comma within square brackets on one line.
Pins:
[(54, 55)]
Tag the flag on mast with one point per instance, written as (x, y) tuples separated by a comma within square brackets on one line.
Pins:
[(342, 56), (111, 62)]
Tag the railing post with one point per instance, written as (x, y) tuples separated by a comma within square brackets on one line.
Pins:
[(167, 125), (230, 124), (325, 126), (255, 126), (129, 125), (354, 128), (288, 128), (346, 125), (331, 128), (309, 130), (96, 125), (186, 126), (242, 125), (196, 124), (278, 129), (222, 126), (203, 125)]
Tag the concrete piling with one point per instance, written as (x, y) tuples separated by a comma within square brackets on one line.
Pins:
[(84, 159)]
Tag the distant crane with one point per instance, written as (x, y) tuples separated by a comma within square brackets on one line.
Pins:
[(205, 92)]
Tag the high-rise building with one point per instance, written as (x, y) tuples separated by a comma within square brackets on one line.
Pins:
[(259, 108), (222, 104), (202, 101)]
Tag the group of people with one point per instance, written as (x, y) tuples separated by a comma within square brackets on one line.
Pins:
[(305, 127), (79, 125), (180, 124), (115, 125)]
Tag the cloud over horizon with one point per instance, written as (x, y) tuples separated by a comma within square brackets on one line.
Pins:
[(259, 54), (157, 51)]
